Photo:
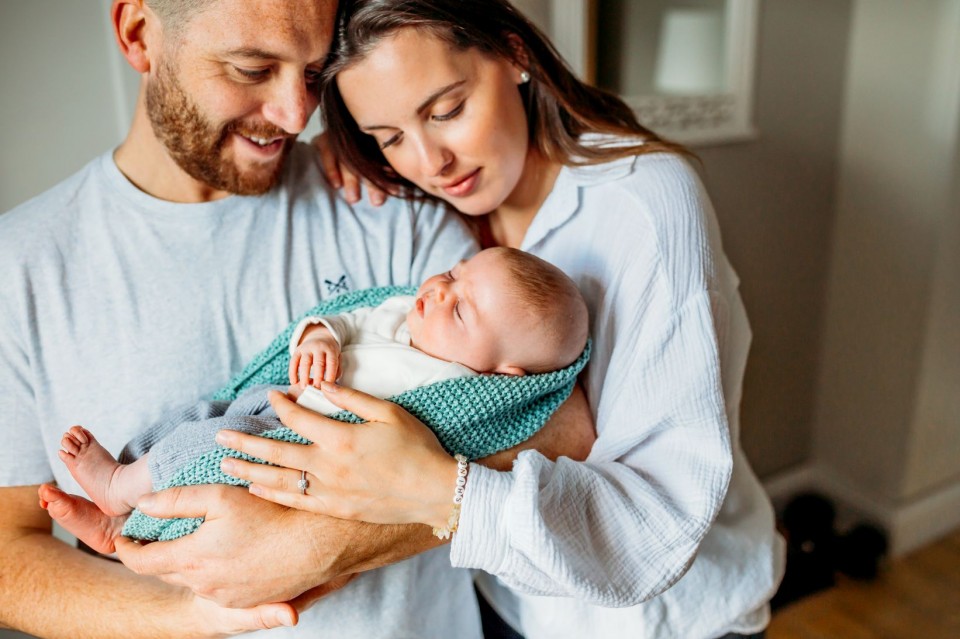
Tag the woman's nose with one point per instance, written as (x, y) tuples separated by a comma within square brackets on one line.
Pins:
[(435, 158)]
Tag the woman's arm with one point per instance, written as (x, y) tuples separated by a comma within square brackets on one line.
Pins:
[(390, 469), (653, 485), (624, 526), (288, 560)]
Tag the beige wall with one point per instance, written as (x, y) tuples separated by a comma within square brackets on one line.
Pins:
[(888, 416), (775, 200)]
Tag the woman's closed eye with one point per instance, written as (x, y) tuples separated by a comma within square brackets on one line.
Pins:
[(393, 139), (449, 115)]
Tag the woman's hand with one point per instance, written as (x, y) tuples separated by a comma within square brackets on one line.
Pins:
[(390, 470), (341, 176)]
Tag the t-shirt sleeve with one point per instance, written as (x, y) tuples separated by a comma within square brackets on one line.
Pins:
[(23, 461), (441, 239)]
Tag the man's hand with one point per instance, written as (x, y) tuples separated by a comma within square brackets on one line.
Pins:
[(246, 552), (250, 551)]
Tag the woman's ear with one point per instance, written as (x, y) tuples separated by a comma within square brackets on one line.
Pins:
[(129, 19), (520, 59)]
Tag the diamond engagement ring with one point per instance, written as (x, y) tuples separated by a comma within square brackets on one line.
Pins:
[(303, 483)]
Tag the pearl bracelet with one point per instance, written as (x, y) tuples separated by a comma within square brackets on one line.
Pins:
[(454, 519)]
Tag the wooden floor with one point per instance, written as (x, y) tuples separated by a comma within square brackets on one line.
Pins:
[(917, 597)]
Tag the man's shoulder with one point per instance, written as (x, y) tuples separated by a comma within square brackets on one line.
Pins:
[(56, 199), (46, 212)]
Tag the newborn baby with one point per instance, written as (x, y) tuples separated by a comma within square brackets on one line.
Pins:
[(503, 311)]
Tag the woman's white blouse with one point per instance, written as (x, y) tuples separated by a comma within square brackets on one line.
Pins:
[(664, 531)]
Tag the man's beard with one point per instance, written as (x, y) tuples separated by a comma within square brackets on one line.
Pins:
[(196, 144)]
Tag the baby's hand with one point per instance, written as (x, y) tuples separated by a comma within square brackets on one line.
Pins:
[(316, 359)]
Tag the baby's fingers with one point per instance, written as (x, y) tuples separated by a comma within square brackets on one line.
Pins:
[(294, 367), (303, 372), (319, 366), (333, 368)]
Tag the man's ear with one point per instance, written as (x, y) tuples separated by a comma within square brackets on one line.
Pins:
[(129, 19), (507, 369)]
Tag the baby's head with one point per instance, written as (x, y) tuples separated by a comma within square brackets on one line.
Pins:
[(501, 311)]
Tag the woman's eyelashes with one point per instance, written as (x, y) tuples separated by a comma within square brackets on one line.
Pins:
[(391, 140), (449, 115), (443, 117)]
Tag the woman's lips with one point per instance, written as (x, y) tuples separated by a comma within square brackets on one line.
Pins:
[(464, 186)]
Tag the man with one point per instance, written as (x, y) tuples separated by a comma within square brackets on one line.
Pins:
[(143, 282)]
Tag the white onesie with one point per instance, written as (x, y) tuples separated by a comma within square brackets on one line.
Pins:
[(376, 356)]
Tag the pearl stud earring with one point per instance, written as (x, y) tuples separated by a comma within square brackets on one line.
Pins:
[(524, 77)]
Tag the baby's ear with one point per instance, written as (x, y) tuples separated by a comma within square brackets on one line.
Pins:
[(506, 369)]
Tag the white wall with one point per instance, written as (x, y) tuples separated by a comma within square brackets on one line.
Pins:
[(57, 103), (66, 93)]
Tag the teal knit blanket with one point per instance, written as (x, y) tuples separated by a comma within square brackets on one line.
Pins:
[(475, 416)]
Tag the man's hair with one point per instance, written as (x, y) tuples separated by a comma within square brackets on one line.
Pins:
[(555, 301), (175, 14)]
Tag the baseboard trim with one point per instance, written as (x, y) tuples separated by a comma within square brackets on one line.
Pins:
[(909, 525)]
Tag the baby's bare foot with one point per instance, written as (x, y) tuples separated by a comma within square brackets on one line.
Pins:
[(82, 518), (95, 470)]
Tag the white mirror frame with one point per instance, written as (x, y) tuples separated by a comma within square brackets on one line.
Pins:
[(699, 120)]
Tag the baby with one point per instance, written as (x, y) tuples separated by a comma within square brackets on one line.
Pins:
[(502, 311)]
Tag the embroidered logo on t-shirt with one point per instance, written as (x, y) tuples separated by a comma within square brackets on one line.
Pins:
[(340, 286)]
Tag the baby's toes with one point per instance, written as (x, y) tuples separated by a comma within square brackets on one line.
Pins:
[(69, 444), (81, 434)]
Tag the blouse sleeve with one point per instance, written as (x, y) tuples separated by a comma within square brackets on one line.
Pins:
[(626, 524)]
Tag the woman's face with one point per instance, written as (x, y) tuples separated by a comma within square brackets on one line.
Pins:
[(450, 121)]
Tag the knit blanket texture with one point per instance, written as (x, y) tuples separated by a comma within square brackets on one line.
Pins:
[(475, 416)]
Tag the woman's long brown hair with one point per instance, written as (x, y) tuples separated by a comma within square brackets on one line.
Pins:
[(560, 108)]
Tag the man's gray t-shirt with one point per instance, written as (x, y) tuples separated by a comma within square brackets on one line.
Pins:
[(118, 307)]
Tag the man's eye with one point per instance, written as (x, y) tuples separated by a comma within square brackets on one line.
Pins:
[(313, 77), (450, 114), (252, 74)]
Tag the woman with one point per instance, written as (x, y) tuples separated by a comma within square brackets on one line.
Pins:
[(664, 531)]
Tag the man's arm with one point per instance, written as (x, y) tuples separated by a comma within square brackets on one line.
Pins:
[(249, 550), (569, 433), (53, 590)]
